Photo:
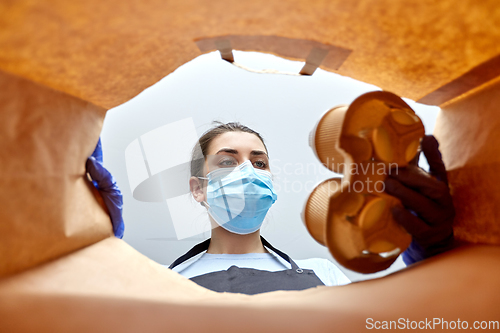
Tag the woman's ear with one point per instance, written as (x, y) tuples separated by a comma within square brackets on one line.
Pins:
[(196, 187)]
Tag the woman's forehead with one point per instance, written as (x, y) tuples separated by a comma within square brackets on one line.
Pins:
[(240, 141)]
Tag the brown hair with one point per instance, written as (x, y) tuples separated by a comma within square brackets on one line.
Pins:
[(200, 150)]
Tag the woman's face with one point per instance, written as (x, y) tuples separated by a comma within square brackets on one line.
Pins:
[(229, 150)]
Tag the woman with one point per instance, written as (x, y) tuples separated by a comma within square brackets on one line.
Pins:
[(231, 177)]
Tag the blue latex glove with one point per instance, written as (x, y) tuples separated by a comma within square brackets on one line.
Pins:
[(105, 183), (97, 154), (429, 212)]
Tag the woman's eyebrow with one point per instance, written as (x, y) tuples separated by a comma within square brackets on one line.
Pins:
[(235, 152), (258, 153), (227, 150)]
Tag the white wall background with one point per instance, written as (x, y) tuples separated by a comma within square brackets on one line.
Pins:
[(283, 108)]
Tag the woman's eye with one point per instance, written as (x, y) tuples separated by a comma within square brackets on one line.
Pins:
[(260, 164), (227, 162)]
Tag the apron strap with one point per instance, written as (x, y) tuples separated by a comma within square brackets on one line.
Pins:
[(278, 252), (197, 249), (203, 246)]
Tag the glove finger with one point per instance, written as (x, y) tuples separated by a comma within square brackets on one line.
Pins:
[(433, 239), (412, 224), (420, 181), (423, 206), (100, 174), (430, 147), (97, 154), (114, 203), (110, 193)]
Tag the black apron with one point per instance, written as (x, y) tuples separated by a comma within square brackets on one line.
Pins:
[(252, 281)]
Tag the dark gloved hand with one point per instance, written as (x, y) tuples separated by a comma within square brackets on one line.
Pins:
[(105, 183), (429, 212)]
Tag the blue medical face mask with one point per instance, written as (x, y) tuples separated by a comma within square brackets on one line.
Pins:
[(238, 198)]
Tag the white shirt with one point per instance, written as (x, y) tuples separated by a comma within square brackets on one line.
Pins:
[(325, 270)]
